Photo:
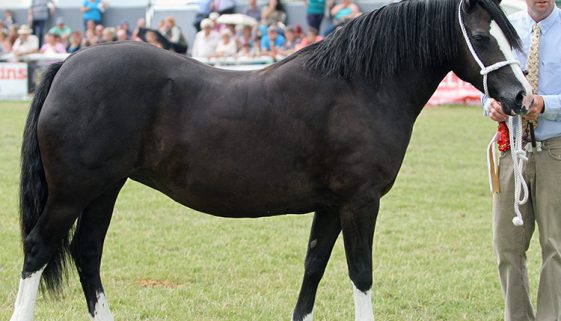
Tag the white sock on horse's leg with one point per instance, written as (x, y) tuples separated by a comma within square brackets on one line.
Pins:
[(363, 305), (309, 317), (27, 295), (101, 309)]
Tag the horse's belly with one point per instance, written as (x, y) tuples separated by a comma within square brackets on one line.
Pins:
[(232, 194)]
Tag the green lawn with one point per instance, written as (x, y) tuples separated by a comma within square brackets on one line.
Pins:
[(432, 260)]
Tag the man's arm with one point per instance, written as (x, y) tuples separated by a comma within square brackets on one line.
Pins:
[(552, 107)]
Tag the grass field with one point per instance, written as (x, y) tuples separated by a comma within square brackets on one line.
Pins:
[(432, 260)]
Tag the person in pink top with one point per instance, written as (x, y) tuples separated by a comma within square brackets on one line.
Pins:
[(311, 37), (52, 45)]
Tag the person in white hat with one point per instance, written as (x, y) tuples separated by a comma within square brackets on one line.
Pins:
[(206, 40), (26, 43), (226, 46)]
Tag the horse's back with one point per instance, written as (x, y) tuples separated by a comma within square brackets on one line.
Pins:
[(191, 131)]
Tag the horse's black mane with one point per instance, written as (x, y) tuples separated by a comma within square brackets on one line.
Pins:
[(411, 34)]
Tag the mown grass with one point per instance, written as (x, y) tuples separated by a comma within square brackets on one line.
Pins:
[(433, 257)]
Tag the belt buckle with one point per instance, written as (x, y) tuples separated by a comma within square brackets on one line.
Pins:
[(530, 149)]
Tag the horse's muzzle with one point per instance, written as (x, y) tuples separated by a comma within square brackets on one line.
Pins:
[(519, 104)]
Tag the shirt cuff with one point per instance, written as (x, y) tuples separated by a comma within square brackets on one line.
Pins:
[(552, 107), (486, 104)]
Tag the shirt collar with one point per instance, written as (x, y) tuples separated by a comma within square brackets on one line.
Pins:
[(545, 24)]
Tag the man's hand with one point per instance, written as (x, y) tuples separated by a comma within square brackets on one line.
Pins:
[(496, 111), (536, 109)]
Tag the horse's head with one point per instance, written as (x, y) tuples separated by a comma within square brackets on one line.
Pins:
[(486, 58)]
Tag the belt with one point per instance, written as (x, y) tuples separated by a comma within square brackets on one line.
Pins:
[(541, 144)]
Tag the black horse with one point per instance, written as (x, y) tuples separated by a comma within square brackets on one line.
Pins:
[(322, 131)]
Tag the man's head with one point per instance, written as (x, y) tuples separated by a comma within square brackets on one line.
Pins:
[(540, 9), (60, 22), (24, 32), (272, 32)]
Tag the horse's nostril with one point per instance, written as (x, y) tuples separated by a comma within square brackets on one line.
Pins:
[(520, 97)]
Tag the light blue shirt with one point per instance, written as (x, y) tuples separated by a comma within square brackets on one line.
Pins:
[(549, 77)]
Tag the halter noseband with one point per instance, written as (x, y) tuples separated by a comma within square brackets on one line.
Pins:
[(484, 70)]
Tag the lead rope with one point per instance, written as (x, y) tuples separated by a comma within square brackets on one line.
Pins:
[(517, 152), (518, 155)]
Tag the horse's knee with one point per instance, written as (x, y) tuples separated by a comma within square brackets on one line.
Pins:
[(314, 269), (361, 278)]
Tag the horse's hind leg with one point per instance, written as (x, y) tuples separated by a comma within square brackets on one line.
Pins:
[(325, 230), (87, 247), (44, 243), (358, 219)]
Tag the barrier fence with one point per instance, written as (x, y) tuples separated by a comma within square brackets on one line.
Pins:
[(18, 79)]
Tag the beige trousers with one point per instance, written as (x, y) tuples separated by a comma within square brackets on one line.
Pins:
[(542, 173)]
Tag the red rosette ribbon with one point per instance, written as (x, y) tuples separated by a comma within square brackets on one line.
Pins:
[(503, 141)]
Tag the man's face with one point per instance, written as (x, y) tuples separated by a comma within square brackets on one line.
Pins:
[(272, 34), (540, 9)]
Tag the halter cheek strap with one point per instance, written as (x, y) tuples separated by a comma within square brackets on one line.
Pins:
[(484, 70)]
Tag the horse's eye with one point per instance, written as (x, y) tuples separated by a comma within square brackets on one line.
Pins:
[(481, 38)]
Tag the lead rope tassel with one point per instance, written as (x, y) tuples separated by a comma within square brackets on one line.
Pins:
[(518, 155)]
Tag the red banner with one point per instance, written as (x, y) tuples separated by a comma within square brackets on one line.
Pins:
[(453, 90)]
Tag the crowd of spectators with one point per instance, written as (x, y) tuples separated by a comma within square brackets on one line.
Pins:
[(264, 34), (269, 36)]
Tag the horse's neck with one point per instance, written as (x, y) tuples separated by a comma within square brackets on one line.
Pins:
[(409, 91)]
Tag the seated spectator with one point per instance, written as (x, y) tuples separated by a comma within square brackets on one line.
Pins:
[(272, 42), (152, 38), (98, 30), (125, 26), (226, 46), (173, 33), (90, 25), (253, 10), (291, 41), (52, 45), (26, 43), (75, 42), (206, 40), (12, 34), (140, 23), (311, 37), (273, 14), (343, 12), (246, 37), (245, 51), (122, 35), (108, 35), (90, 38), (61, 30), (5, 45)]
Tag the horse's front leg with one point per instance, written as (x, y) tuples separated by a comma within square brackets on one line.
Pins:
[(325, 230), (358, 219)]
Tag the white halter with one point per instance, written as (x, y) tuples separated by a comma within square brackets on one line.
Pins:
[(484, 70), (517, 152)]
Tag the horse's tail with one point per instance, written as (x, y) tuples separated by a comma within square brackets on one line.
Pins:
[(33, 186)]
